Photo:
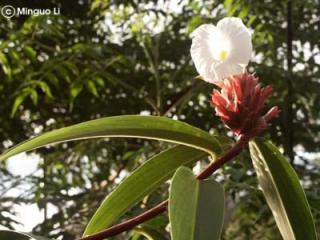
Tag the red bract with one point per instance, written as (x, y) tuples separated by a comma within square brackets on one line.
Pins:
[(240, 104)]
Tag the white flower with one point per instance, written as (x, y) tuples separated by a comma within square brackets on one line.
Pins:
[(222, 50)]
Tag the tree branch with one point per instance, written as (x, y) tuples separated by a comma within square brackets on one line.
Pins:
[(289, 97)]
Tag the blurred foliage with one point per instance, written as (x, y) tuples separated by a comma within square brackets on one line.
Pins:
[(104, 58)]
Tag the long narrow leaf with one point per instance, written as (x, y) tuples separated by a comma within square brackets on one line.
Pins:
[(140, 183), (283, 192), (196, 208), (149, 127)]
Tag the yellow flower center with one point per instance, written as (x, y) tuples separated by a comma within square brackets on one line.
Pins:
[(223, 54)]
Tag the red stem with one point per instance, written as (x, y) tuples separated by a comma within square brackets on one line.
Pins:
[(129, 224), (227, 156), (160, 208)]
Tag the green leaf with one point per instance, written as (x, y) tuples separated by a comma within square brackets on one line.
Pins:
[(8, 234), (153, 229), (5, 65), (33, 95), (75, 89), (44, 87), (52, 78), (31, 53), (140, 183), (72, 67), (150, 233), (92, 88), (244, 12), (196, 208), (63, 73), (228, 3), (116, 81), (15, 57), (283, 192), (99, 81), (17, 103), (134, 126)]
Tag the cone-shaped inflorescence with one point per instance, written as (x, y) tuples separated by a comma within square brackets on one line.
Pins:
[(240, 104)]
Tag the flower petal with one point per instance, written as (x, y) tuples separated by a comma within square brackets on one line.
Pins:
[(222, 51), (225, 69), (200, 51), (239, 39)]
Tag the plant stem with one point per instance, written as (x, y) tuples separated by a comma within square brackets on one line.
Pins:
[(129, 224), (229, 155), (160, 208)]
